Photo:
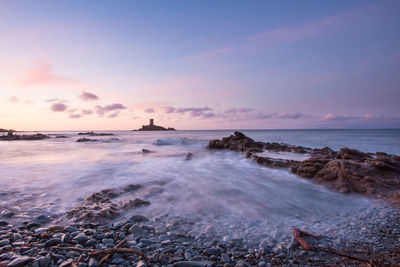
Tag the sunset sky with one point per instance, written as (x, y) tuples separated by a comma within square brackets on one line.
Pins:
[(88, 65)]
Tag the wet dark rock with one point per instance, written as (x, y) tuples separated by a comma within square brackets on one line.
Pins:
[(52, 242), (80, 238), (86, 140), (353, 154), (67, 263), (3, 223), (211, 251), (43, 261), (237, 142), (33, 225), (71, 229), (4, 242)]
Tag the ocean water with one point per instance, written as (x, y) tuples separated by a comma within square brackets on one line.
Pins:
[(216, 190)]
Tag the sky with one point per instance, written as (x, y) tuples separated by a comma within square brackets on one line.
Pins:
[(113, 65)]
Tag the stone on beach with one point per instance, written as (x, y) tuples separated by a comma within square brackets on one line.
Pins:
[(193, 264), (20, 261)]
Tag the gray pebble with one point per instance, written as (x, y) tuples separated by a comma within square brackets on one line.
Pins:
[(20, 261)]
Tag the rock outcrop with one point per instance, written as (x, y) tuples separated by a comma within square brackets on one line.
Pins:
[(347, 170), (14, 137), (104, 205)]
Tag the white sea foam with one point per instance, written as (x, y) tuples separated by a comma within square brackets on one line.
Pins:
[(215, 188)]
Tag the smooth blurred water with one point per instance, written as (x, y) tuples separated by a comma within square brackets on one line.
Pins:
[(215, 187)]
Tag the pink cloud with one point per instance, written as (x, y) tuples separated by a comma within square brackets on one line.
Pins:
[(58, 107), (43, 74), (101, 110), (13, 99), (75, 116), (169, 109), (149, 110), (86, 96), (87, 111)]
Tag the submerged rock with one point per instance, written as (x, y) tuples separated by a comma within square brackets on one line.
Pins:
[(189, 156)]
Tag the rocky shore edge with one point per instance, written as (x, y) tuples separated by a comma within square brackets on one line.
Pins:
[(347, 170), (141, 242)]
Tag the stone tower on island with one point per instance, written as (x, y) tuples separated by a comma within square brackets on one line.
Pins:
[(153, 127)]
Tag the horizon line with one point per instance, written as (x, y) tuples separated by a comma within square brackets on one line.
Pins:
[(235, 129)]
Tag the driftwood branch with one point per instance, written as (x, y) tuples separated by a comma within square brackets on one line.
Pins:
[(119, 245), (119, 250), (307, 246), (298, 236), (107, 251), (74, 249)]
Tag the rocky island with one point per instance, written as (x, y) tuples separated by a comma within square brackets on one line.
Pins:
[(153, 127)]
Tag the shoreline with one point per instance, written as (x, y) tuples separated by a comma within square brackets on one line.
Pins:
[(164, 244), (367, 238)]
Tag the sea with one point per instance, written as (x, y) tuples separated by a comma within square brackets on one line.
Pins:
[(220, 191)]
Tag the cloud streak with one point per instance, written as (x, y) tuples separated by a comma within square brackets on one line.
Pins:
[(86, 96), (293, 33), (102, 110)]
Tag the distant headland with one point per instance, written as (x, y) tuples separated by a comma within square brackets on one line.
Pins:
[(5, 130), (153, 127)]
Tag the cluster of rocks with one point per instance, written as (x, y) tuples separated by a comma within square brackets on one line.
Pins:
[(164, 244), (104, 205), (84, 139), (95, 134), (347, 170), (14, 137)]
